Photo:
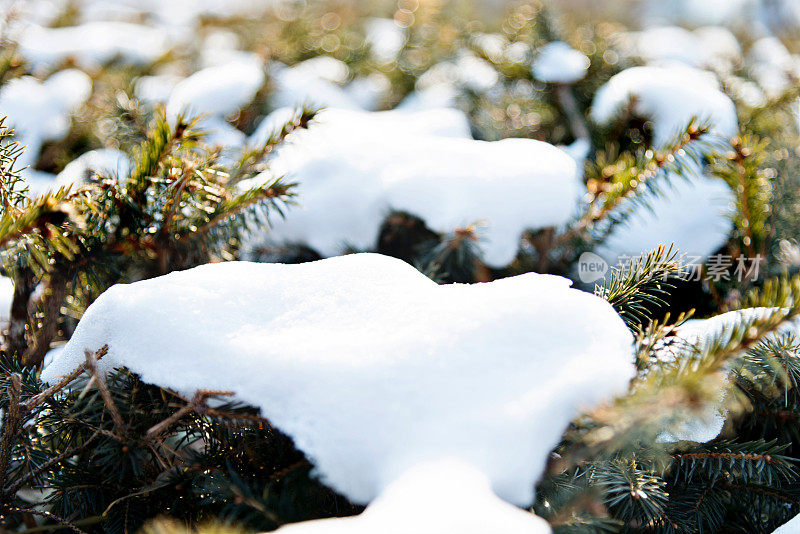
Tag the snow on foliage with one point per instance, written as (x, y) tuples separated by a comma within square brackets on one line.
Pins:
[(704, 47), (217, 91), (559, 63), (370, 366), (93, 44), (40, 111), (790, 527), (669, 96), (354, 168), (107, 162), (698, 333), (693, 215), (443, 498)]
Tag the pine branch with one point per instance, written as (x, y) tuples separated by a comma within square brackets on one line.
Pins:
[(639, 289)]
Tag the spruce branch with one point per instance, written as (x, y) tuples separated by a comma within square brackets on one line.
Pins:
[(639, 289)]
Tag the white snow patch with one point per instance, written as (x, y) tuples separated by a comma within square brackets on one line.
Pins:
[(353, 170), (302, 85), (40, 112), (93, 44), (385, 39), (698, 333), (443, 498), (790, 527), (6, 297), (693, 214), (372, 368), (558, 62), (107, 162), (670, 97), (155, 89), (217, 91), (772, 66)]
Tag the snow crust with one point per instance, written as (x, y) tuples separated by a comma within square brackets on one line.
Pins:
[(560, 63), (371, 367), (353, 169), (669, 96), (446, 498)]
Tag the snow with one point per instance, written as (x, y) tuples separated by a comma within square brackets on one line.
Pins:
[(385, 39), (670, 97), (217, 91), (772, 66), (303, 86), (558, 62), (371, 367), (93, 44), (155, 89), (439, 498), (40, 111), (709, 46), (6, 297), (790, 527), (106, 162), (693, 214), (699, 333), (367, 165)]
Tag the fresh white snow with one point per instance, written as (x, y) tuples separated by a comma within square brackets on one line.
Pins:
[(93, 44), (40, 111), (371, 367), (790, 527), (437, 498), (669, 96), (353, 169), (6, 297), (694, 216), (698, 333), (558, 62), (217, 91), (106, 162)]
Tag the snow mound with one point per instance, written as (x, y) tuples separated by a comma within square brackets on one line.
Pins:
[(302, 85), (669, 96), (107, 162), (693, 214), (40, 112), (385, 39), (217, 91), (352, 173), (443, 498), (558, 62), (370, 366), (700, 332), (93, 44)]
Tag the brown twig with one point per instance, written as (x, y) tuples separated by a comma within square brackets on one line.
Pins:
[(91, 366), (196, 404), (61, 384), (47, 515)]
